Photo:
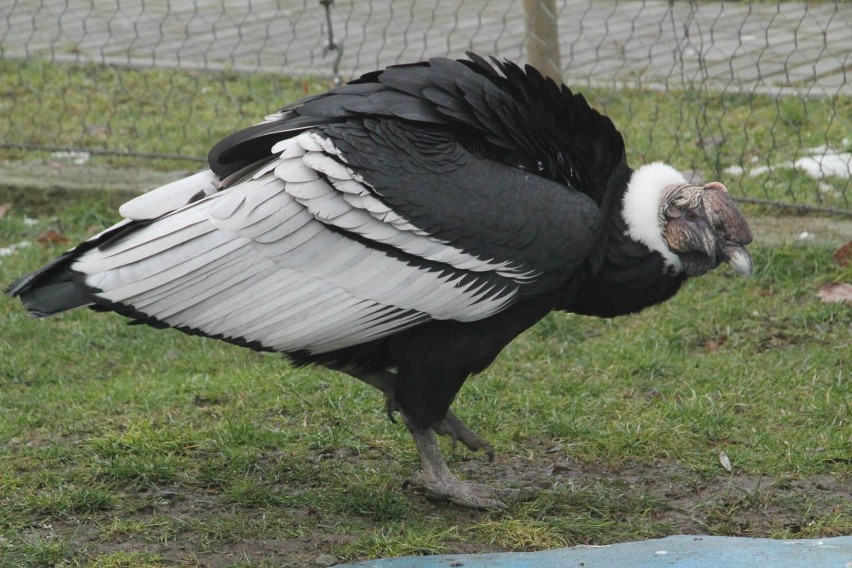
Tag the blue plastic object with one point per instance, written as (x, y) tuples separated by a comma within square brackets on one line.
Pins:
[(683, 551)]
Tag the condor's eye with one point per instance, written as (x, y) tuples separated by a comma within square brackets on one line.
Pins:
[(691, 216)]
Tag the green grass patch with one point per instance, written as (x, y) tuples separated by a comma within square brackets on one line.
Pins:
[(167, 112), (147, 111)]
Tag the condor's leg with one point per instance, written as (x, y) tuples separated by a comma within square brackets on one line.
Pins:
[(453, 427), (435, 477)]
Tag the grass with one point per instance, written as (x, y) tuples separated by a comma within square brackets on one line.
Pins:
[(129, 446), (182, 113), (132, 447), (135, 111)]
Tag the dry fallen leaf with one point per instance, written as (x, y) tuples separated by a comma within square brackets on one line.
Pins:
[(713, 345), (4, 208), (843, 255), (723, 459), (835, 292), (51, 236)]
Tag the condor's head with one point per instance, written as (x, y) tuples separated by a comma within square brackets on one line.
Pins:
[(694, 228)]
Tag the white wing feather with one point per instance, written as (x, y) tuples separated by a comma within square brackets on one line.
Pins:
[(267, 260), (169, 197)]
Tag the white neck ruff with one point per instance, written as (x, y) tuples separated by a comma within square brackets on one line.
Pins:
[(641, 208)]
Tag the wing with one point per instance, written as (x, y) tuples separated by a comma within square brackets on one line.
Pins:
[(514, 116), (326, 246), (442, 190)]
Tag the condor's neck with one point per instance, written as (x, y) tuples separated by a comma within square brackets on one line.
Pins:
[(625, 276)]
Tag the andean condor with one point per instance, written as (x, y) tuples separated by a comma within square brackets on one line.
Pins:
[(403, 229)]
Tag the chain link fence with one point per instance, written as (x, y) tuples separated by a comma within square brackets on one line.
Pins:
[(755, 93)]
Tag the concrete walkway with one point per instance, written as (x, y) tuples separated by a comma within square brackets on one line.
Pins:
[(724, 46), (685, 551)]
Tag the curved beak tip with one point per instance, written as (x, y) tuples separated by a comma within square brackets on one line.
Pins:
[(740, 260)]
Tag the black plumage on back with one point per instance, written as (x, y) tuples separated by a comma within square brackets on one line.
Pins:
[(404, 228), (519, 118)]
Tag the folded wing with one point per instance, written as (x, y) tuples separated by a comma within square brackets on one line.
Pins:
[(304, 255)]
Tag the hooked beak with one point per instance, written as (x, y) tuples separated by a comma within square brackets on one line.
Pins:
[(730, 226), (739, 258)]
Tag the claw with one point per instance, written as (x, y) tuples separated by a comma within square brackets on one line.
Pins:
[(390, 408)]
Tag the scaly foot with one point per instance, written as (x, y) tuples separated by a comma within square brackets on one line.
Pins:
[(465, 493), (435, 477)]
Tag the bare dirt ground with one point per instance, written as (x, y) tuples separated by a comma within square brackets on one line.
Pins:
[(738, 504)]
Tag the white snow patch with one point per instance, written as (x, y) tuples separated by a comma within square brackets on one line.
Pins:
[(819, 163), (78, 158), (760, 170), (827, 189), (10, 250), (829, 163), (30, 222)]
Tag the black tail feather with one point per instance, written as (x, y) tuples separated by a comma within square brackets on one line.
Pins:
[(49, 290)]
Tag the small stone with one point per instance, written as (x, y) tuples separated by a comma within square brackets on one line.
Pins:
[(325, 560), (725, 461), (343, 452)]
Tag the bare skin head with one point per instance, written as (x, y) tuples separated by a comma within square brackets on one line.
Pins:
[(704, 228)]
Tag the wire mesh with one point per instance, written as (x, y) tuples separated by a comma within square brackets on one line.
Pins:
[(756, 93)]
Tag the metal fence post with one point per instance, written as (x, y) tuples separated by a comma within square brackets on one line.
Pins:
[(331, 45), (542, 37)]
